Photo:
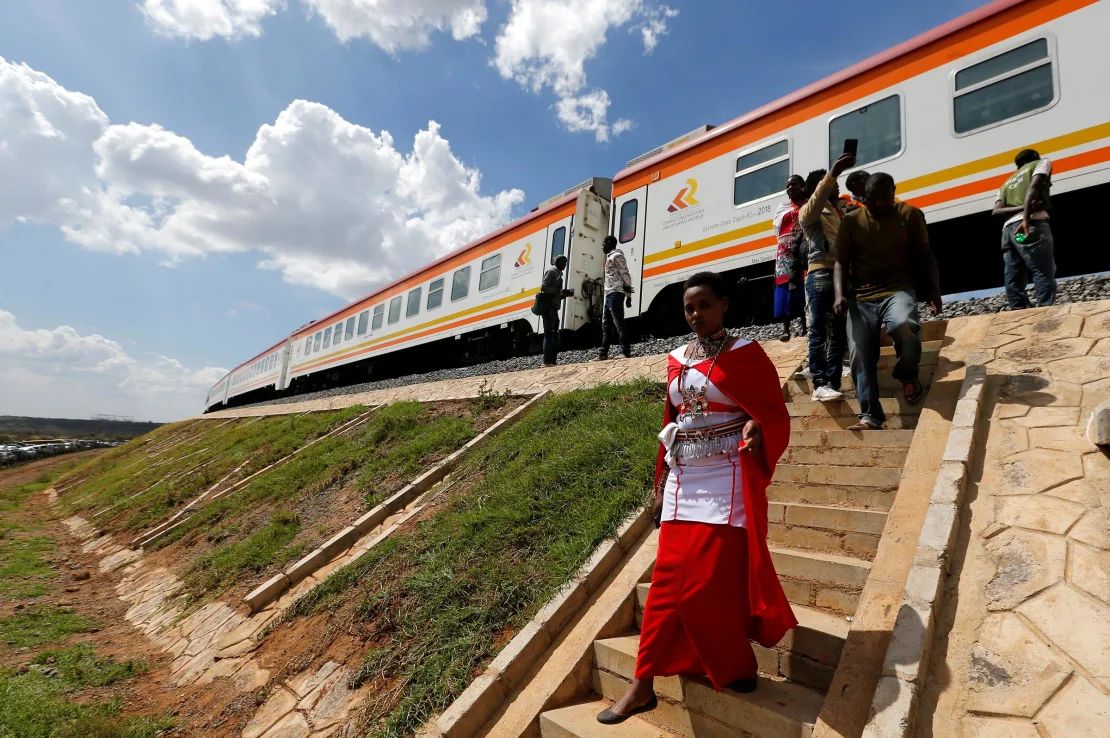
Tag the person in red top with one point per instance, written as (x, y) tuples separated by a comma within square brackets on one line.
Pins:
[(790, 259), (714, 586)]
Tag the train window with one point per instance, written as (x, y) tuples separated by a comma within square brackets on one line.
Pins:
[(395, 309), (435, 293), (761, 173), (1006, 86), (337, 336), (379, 317), (629, 211), (413, 306), (877, 126), (558, 243), (363, 322), (327, 337), (490, 274), (349, 329), (316, 342), (460, 284), (308, 346)]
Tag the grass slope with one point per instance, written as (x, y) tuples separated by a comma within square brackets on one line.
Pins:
[(266, 524), (150, 479), (438, 599)]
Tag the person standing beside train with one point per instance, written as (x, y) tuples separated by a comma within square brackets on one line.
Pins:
[(820, 220), (618, 296), (883, 264), (550, 296), (1027, 246), (789, 301)]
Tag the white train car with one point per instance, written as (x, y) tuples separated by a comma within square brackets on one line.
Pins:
[(488, 285), (266, 370), (944, 114)]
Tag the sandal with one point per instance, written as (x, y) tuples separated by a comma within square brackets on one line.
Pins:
[(865, 425), (913, 391), (608, 717)]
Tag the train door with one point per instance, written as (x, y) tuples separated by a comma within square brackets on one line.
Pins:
[(283, 374), (558, 244), (585, 270), (629, 220)]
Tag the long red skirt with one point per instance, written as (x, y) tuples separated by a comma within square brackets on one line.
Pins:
[(697, 617)]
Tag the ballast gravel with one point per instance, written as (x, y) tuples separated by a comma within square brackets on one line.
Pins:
[(1075, 289)]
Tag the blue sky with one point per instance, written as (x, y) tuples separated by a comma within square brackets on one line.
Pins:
[(144, 249)]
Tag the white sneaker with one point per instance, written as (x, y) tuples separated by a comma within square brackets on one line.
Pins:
[(846, 371), (824, 393)]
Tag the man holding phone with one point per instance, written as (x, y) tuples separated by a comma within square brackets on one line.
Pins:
[(820, 219), (883, 266)]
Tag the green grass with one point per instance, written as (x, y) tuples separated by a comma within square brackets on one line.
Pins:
[(391, 448), (143, 483), (35, 625), (272, 544), (78, 667), (24, 569), (437, 598), (37, 702)]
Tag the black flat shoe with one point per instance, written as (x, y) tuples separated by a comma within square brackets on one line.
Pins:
[(743, 686), (608, 717)]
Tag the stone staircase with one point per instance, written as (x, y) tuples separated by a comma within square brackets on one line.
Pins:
[(827, 507)]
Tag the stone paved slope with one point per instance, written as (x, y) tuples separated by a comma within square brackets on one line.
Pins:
[(1027, 652)]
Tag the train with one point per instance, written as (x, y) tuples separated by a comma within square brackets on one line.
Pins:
[(944, 113)]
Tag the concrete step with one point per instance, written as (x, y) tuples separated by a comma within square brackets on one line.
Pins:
[(833, 438), (846, 408), (848, 476), (842, 422), (855, 456), (862, 498), (808, 654), (839, 530), (799, 388), (844, 572), (580, 721), (691, 707), (825, 581)]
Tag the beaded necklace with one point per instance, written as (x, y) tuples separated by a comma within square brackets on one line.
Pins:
[(695, 400)]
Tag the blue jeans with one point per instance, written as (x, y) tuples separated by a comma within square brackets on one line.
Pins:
[(828, 331), (1033, 258), (550, 334), (612, 321), (899, 314)]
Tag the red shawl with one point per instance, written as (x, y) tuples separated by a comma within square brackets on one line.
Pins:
[(750, 380)]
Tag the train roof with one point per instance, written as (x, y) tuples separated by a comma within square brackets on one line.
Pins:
[(546, 208), (839, 79)]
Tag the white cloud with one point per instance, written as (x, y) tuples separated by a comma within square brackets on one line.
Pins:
[(654, 25), (328, 203), (547, 43), (97, 374), (396, 25), (393, 25), (207, 19)]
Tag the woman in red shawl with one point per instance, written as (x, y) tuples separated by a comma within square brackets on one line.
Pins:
[(714, 586)]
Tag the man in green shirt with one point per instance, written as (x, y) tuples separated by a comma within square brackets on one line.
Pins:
[(883, 266), (1027, 246)]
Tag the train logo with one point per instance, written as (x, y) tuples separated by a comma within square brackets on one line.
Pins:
[(525, 256), (685, 197)]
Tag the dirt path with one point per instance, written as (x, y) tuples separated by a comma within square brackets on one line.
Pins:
[(78, 586)]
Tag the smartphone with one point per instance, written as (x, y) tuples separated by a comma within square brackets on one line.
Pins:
[(851, 146)]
